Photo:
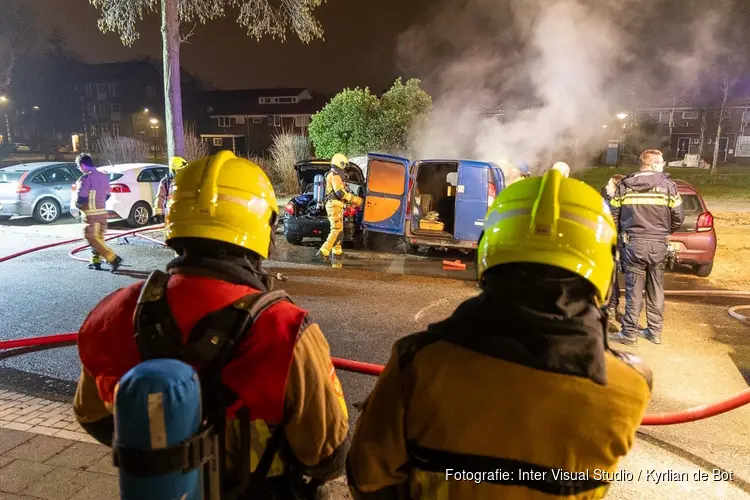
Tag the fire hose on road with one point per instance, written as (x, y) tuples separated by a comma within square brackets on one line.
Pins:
[(690, 415)]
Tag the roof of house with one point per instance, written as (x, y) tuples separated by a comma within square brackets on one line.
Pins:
[(246, 102)]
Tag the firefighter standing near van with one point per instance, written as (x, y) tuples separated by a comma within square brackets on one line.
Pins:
[(221, 221), (337, 195), (646, 208), (519, 380), (93, 192), (162, 195)]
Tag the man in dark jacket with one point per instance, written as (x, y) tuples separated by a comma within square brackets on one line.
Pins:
[(646, 208)]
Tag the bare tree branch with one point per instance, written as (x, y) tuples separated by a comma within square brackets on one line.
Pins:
[(185, 36), (261, 18)]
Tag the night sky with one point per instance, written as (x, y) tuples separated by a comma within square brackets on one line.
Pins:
[(359, 49)]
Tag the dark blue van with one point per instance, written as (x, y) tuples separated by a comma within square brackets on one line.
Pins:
[(430, 203)]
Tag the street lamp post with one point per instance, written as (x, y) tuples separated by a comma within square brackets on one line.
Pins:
[(4, 100), (622, 117), (154, 127)]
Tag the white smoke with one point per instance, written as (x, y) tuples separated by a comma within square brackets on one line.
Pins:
[(556, 69)]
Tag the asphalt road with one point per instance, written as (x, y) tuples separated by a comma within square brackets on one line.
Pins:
[(379, 297)]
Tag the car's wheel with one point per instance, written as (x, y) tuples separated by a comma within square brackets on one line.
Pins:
[(4, 218), (294, 240), (140, 214), (704, 270), (47, 211)]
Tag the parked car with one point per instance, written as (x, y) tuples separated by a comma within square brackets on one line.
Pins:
[(40, 189), (22, 148), (133, 187), (400, 197), (306, 218), (695, 241)]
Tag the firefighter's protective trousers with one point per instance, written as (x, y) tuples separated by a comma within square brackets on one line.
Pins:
[(94, 232), (644, 269), (335, 210)]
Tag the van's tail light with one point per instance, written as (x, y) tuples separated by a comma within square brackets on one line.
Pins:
[(408, 196), (74, 187), (705, 222), (289, 208), (491, 193), (351, 211), (119, 188)]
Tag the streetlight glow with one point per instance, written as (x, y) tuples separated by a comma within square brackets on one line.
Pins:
[(145, 110), (154, 121), (621, 116), (604, 126), (36, 108), (3, 98)]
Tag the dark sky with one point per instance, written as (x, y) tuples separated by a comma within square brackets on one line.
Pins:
[(359, 49)]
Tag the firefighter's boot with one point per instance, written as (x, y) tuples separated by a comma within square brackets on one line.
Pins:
[(325, 258), (96, 266), (337, 260), (115, 264)]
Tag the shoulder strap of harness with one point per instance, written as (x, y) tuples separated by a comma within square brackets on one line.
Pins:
[(210, 346)]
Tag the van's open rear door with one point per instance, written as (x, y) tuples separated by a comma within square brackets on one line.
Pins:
[(472, 197), (387, 189)]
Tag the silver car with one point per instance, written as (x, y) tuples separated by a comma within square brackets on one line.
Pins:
[(41, 189)]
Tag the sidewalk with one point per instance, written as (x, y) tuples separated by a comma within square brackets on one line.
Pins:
[(45, 455)]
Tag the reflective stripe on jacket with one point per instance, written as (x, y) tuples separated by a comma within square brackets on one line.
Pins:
[(647, 205), (336, 188), (93, 192)]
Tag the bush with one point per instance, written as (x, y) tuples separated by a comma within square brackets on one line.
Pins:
[(117, 149), (356, 122), (286, 150), (195, 147)]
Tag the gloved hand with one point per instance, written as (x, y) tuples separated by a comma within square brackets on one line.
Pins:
[(358, 201)]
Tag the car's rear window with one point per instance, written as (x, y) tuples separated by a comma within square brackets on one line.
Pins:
[(14, 176), (691, 203), (114, 176)]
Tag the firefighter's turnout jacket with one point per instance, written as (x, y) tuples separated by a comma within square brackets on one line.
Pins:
[(508, 398), (282, 371), (336, 188), (646, 205)]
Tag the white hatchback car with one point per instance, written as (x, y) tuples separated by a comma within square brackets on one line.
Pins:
[(133, 187)]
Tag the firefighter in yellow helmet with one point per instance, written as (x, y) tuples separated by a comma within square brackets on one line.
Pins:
[(518, 387), (162, 196), (337, 195), (222, 218)]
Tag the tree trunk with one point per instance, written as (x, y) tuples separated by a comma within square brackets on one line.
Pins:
[(170, 33), (716, 151)]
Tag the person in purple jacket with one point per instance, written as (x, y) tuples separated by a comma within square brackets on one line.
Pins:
[(93, 193)]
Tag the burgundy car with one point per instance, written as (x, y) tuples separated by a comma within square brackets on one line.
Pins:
[(695, 241)]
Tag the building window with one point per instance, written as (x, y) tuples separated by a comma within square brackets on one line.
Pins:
[(115, 129), (104, 110), (94, 130), (286, 100), (301, 121), (154, 132), (274, 120), (89, 90), (114, 91), (115, 111), (224, 121), (260, 120), (689, 115), (264, 100), (150, 91), (105, 129), (218, 142), (240, 120), (91, 109)]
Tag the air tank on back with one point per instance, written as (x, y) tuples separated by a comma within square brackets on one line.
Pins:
[(319, 189)]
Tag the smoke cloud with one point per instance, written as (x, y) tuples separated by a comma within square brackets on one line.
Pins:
[(554, 72)]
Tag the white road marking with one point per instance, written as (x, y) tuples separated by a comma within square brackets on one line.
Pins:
[(429, 306)]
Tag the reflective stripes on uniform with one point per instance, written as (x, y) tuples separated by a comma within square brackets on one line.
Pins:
[(657, 198), (259, 436)]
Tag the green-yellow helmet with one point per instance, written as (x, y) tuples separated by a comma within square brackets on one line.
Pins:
[(551, 220)]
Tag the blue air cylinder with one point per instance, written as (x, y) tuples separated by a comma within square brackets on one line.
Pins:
[(319, 188), (158, 405)]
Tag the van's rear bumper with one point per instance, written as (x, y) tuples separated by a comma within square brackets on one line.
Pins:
[(426, 241)]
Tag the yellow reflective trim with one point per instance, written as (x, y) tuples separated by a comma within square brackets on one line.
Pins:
[(675, 202), (656, 201), (263, 434), (92, 199), (428, 485)]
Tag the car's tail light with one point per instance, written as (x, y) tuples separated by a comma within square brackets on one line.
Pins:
[(705, 222), (21, 188), (289, 208), (351, 211), (491, 192), (119, 188)]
